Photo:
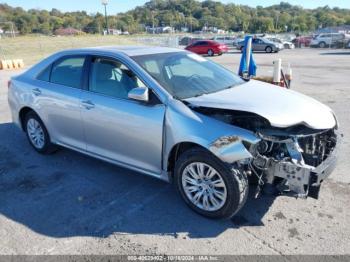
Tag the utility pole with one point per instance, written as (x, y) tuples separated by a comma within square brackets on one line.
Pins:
[(153, 22), (105, 3), (277, 17)]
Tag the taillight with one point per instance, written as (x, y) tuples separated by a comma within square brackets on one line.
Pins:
[(8, 84)]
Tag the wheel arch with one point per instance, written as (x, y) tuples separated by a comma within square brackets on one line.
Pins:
[(228, 149), (22, 114), (177, 150), (322, 43)]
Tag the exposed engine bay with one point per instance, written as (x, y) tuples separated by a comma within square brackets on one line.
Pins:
[(295, 160)]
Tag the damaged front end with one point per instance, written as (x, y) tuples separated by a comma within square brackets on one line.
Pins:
[(295, 160), (296, 163)]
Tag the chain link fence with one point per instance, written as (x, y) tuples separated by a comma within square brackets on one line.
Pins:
[(165, 41), (34, 48)]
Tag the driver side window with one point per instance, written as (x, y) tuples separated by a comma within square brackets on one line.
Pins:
[(112, 78)]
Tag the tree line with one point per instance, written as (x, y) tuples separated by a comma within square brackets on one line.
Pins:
[(190, 14)]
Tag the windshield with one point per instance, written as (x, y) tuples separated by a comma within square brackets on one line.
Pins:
[(186, 75), (267, 41)]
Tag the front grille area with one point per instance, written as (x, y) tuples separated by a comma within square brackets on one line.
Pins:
[(317, 147)]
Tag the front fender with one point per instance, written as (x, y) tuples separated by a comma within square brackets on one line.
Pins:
[(229, 149), (185, 125)]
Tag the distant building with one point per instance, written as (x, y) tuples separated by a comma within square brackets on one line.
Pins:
[(160, 30), (68, 31), (113, 31), (184, 29), (345, 29), (8, 33), (213, 29)]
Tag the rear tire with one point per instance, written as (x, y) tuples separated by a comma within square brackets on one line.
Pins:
[(37, 134), (231, 183), (210, 52)]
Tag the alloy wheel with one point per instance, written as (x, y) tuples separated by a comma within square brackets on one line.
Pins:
[(204, 186), (35, 133), (322, 44)]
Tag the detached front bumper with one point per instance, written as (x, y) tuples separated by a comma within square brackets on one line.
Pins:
[(304, 180)]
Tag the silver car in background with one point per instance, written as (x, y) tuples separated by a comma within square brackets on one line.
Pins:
[(260, 44), (282, 44), (178, 117)]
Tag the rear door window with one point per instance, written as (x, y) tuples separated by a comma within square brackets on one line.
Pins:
[(68, 71), (45, 74)]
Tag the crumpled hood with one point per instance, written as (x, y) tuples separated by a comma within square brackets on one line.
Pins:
[(281, 107)]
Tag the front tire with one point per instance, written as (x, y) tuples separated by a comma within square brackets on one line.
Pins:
[(37, 134), (208, 185), (268, 49), (322, 45)]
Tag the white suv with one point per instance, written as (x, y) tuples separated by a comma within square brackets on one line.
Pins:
[(324, 40)]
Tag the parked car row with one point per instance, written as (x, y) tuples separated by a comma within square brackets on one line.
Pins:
[(335, 40), (330, 40), (211, 47), (220, 44)]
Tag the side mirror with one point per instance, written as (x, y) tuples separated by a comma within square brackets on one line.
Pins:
[(139, 93)]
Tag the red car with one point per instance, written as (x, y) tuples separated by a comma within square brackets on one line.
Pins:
[(302, 41), (208, 47)]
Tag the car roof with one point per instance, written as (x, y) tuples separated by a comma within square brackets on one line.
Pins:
[(131, 50)]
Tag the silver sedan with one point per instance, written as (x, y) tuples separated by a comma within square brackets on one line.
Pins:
[(178, 117), (260, 44)]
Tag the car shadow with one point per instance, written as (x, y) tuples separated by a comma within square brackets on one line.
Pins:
[(336, 53), (68, 194), (255, 52)]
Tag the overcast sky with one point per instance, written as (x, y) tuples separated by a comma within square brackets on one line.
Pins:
[(115, 6)]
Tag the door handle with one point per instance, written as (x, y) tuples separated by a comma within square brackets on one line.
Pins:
[(87, 104), (36, 91)]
